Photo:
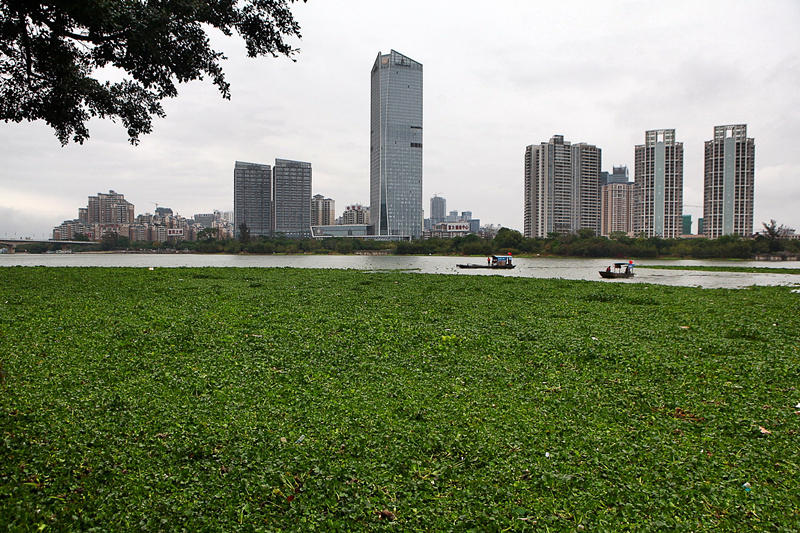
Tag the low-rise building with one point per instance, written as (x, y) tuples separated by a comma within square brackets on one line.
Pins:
[(339, 230), (357, 231), (447, 230)]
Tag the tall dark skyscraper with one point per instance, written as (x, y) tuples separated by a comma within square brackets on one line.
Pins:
[(252, 198), (396, 146), (729, 182), (292, 198)]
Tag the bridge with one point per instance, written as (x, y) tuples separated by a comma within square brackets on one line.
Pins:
[(12, 244)]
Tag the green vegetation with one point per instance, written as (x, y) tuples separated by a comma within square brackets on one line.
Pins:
[(291, 399), (584, 244), (754, 270)]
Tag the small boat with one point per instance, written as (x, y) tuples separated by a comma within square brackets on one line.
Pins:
[(617, 271), (495, 261)]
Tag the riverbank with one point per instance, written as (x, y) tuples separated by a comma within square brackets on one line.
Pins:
[(292, 399), (704, 268), (324, 252), (581, 245)]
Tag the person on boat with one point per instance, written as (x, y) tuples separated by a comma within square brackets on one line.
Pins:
[(488, 261), (627, 269), (608, 268)]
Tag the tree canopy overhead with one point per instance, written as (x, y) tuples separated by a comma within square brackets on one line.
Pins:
[(51, 51)]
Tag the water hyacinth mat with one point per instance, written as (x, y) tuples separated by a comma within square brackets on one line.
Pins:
[(292, 399)]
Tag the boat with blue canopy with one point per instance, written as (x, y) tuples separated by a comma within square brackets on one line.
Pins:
[(493, 261)]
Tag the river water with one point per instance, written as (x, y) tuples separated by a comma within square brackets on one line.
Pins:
[(581, 269)]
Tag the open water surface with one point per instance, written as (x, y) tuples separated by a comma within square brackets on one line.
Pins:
[(581, 269)]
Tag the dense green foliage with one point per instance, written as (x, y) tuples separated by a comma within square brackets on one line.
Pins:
[(585, 244), (53, 55), (290, 399), (726, 268), (507, 240)]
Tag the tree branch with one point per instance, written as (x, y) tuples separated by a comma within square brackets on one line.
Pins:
[(61, 31), (88, 38)]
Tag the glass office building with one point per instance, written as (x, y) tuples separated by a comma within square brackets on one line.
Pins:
[(396, 146)]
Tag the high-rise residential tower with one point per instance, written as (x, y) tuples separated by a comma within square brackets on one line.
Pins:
[(252, 198), (729, 182), (323, 211), (658, 173), (438, 209), (292, 198), (396, 146), (616, 208), (110, 208), (586, 161), (561, 187)]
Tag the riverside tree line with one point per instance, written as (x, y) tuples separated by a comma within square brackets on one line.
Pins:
[(773, 240)]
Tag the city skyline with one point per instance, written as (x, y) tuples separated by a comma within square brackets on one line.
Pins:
[(110, 214), (484, 100)]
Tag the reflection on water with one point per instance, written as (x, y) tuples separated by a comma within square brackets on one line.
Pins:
[(580, 269)]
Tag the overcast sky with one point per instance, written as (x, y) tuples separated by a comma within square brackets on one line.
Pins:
[(498, 76)]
